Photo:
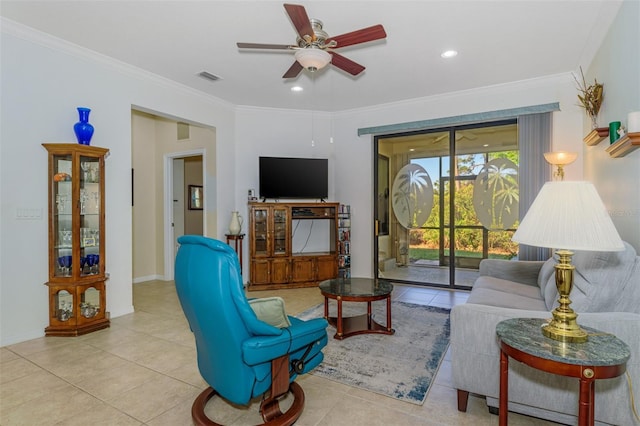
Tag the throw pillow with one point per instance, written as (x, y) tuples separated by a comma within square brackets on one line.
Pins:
[(270, 310), (547, 282), (598, 280)]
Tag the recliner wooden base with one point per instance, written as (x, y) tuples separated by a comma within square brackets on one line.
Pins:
[(270, 409)]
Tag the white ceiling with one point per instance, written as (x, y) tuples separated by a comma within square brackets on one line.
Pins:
[(498, 42)]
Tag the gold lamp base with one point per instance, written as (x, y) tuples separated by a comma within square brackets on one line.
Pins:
[(563, 326), (564, 331)]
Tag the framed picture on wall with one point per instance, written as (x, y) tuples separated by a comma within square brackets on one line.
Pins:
[(196, 197)]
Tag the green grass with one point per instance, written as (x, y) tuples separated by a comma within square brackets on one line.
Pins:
[(432, 254)]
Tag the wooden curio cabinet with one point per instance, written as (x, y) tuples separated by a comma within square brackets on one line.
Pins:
[(269, 244), (77, 290), (292, 244)]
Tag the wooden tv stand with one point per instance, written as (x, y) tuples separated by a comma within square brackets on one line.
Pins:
[(273, 264)]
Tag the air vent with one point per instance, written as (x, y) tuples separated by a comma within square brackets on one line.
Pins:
[(183, 131), (209, 76)]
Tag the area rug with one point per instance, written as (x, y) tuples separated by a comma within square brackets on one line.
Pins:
[(402, 365)]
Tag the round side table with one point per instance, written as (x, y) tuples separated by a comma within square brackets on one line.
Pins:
[(356, 290), (603, 356)]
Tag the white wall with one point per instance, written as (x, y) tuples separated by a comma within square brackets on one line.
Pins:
[(261, 131), (276, 133), (40, 107), (146, 242), (43, 81), (617, 66)]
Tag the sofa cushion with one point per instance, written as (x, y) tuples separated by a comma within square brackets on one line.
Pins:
[(599, 280), (506, 294)]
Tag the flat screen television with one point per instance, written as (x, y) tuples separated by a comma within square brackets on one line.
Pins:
[(282, 177)]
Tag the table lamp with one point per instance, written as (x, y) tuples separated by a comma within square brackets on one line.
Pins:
[(567, 216)]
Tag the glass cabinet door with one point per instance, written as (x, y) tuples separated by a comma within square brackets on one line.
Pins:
[(90, 303), (260, 231), (89, 203), (64, 305), (269, 231), (280, 231), (62, 196)]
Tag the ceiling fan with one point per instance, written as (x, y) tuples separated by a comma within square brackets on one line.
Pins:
[(460, 134), (314, 48)]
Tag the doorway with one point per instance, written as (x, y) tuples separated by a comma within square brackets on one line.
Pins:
[(435, 202), (156, 142), (183, 172), (187, 200)]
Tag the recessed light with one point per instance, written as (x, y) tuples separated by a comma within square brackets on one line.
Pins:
[(449, 54), (297, 89), (485, 145)]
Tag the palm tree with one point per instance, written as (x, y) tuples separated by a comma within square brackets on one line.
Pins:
[(412, 189), (502, 184)]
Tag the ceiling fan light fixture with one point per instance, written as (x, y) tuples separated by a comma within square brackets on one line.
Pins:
[(313, 59)]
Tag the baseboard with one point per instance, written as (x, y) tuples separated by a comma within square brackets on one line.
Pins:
[(13, 339), (148, 278)]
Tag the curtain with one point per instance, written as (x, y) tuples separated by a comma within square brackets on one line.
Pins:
[(534, 139)]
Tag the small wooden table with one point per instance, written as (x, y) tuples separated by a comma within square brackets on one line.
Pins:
[(237, 245), (603, 356), (356, 290)]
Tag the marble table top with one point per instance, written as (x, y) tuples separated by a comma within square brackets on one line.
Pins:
[(602, 349), (363, 287)]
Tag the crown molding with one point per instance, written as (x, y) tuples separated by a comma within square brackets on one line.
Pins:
[(47, 40)]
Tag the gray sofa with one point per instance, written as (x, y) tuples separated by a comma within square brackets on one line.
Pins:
[(606, 296)]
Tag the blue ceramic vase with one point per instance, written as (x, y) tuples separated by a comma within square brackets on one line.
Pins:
[(83, 129)]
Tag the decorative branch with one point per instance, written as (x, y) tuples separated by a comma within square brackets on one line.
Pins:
[(591, 97)]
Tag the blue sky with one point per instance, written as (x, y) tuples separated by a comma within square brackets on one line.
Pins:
[(431, 165)]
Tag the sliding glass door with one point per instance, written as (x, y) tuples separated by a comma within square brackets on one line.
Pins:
[(445, 200)]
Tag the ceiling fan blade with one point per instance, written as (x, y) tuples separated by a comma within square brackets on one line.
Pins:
[(300, 20), (364, 35), (345, 64), (293, 71), (263, 46)]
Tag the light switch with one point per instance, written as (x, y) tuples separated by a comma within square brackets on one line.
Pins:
[(25, 213)]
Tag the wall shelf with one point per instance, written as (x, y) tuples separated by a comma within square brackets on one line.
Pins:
[(596, 136), (624, 145)]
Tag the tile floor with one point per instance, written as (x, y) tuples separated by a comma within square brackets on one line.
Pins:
[(142, 371)]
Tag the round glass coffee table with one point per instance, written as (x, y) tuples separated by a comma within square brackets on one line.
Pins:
[(356, 290)]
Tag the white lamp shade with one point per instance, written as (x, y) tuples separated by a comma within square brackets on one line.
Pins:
[(568, 215), (312, 58)]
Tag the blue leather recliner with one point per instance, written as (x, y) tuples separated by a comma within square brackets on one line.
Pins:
[(240, 356)]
